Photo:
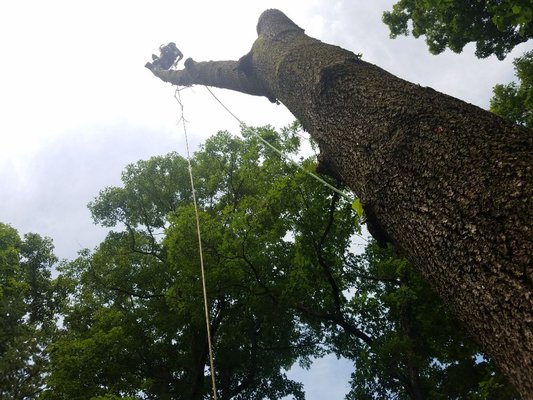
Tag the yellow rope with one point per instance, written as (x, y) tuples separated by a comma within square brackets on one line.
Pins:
[(204, 288), (202, 268)]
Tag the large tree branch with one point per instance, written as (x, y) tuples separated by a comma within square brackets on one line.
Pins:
[(336, 319), (223, 74), (319, 249)]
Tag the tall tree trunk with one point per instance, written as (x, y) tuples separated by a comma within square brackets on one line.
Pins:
[(447, 182)]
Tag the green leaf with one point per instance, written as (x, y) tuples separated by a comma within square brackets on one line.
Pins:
[(357, 206), (495, 27)]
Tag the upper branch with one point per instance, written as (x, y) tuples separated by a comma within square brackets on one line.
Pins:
[(231, 75)]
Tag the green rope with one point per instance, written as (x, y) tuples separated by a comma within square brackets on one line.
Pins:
[(281, 154)]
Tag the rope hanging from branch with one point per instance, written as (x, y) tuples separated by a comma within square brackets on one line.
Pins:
[(204, 288), (356, 203), (281, 154), (169, 56)]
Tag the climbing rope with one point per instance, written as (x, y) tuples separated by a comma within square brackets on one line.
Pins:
[(182, 119), (177, 96), (281, 154), (356, 204)]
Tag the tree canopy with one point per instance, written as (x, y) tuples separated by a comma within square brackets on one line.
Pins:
[(495, 26), (29, 305), (420, 351), (136, 324), (286, 283), (515, 100)]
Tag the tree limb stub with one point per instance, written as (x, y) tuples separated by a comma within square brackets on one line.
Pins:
[(222, 74), (449, 183)]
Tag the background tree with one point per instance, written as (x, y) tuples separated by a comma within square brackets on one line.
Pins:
[(448, 183), (419, 350), (28, 307), (283, 283), (495, 26), (515, 100), (136, 323)]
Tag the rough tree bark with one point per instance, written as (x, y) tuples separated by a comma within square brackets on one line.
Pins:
[(447, 182)]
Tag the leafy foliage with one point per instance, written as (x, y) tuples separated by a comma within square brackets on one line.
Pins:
[(282, 282), (495, 26), (419, 351), (135, 324), (28, 306), (515, 100)]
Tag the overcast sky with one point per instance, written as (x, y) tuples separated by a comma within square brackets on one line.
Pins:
[(77, 105)]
